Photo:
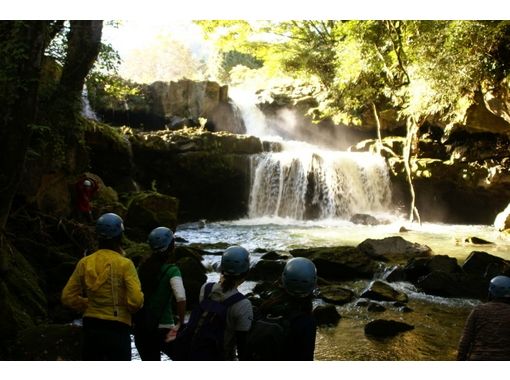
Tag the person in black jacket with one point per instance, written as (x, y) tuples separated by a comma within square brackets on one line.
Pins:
[(292, 304)]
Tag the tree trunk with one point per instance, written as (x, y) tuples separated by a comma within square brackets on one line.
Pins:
[(412, 128), (84, 43), (23, 44), (21, 52)]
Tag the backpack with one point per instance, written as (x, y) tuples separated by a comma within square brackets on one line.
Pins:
[(202, 337), (269, 335)]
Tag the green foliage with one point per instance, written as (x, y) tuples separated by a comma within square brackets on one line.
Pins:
[(419, 67), (233, 58)]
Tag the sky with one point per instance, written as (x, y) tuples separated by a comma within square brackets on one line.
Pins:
[(135, 34)]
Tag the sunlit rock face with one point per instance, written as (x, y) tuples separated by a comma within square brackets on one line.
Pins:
[(172, 105)]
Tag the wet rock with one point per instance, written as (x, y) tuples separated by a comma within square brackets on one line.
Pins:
[(381, 291), (477, 240), (335, 294), (444, 284), (364, 219), (395, 249), (326, 315), (148, 210), (478, 263), (339, 263), (362, 303), (266, 270), (420, 267), (376, 307), (274, 256), (395, 274), (382, 328)]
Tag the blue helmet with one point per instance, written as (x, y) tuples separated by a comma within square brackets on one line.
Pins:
[(299, 277), (109, 226), (160, 239), (499, 287), (235, 261)]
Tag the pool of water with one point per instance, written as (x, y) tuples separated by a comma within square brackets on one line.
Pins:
[(437, 321)]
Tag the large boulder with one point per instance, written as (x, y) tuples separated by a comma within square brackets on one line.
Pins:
[(148, 210), (394, 249), (339, 263), (485, 265)]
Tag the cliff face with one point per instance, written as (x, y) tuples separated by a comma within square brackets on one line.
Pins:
[(170, 105)]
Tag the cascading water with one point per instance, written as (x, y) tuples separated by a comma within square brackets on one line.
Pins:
[(303, 181), (87, 110)]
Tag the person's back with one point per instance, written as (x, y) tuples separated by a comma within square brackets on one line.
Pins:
[(105, 288), (238, 316), (283, 329), (486, 335), (155, 323), (218, 326), (291, 308)]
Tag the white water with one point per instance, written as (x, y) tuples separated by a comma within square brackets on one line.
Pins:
[(303, 179)]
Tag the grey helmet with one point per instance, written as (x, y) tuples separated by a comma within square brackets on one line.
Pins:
[(499, 287), (299, 277), (160, 239), (109, 226), (235, 261)]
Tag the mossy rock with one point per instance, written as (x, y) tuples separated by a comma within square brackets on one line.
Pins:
[(148, 210), (22, 301)]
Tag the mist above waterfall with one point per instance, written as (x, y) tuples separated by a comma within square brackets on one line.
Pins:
[(305, 180), (288, 125)]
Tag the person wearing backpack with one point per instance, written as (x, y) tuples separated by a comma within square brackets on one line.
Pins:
[(284, 327), (105, 288), (161, 280), (218, 326)]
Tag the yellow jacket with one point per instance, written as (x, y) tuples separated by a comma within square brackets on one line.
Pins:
[(104, 285)]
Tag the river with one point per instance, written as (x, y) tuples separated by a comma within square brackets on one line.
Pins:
[(304, 196), (438, 321)]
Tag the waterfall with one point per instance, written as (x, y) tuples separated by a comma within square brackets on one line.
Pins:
[(86, 109), (304, 181)]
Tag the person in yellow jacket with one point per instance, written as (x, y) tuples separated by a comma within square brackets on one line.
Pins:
[(105, 288)]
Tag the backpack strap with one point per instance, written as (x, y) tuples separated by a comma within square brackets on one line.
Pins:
[(234, 298), (207, 289)]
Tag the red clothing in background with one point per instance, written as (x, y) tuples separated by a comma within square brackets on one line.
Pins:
[(84, 194)]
